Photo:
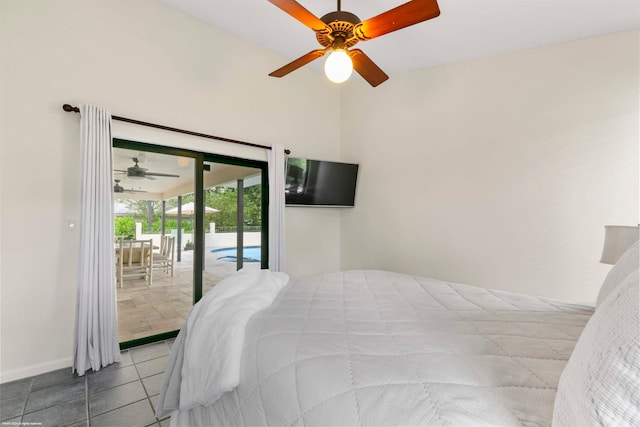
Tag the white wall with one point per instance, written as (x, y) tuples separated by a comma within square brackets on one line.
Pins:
[(499, 172), (142, 60)]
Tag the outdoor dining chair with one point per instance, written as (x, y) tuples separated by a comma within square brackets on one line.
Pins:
[(163, 260), (134, 259)]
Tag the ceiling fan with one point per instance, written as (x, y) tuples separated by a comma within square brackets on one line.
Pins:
[(339, 31), (137, 172), (117, 188)]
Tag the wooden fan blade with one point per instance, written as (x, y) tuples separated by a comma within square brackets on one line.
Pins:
[(367, 68), (406, 14), (294, 65), (296, 10)]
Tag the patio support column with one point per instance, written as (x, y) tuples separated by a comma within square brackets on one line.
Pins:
[(240, 225), (162, 219), (149, 215)]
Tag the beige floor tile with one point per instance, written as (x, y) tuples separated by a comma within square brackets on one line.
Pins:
[(164, 306)]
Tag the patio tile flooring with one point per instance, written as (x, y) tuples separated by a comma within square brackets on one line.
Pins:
[(144, 311)]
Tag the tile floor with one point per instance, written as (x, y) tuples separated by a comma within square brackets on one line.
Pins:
[(123, 394)]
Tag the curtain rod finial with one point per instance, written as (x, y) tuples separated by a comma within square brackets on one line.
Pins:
[(68, 108)]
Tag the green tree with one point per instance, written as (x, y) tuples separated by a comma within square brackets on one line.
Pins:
[(253, 205), (125, 226)]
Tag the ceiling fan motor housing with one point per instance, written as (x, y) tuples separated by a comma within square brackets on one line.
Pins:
[(341, 24), (136, 172)]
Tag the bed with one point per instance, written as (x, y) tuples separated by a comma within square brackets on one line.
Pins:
[(374, 347)]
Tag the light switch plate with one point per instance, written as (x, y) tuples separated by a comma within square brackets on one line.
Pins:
[(72, 223)]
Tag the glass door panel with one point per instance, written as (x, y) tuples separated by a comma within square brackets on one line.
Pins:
[(234, 217), (153, 200)]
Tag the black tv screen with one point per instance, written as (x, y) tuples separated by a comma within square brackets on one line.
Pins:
[(320, 183)]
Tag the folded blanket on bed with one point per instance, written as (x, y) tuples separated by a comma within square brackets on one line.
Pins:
[(205, 360)]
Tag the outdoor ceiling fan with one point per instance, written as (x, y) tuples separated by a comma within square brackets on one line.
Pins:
[(339, 31), (117, 188), (137, 172)]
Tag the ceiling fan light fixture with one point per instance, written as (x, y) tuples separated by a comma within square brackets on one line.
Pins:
[(342, 30), (338, 66)]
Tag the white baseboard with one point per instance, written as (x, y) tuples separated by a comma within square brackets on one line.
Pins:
[(29, 371)]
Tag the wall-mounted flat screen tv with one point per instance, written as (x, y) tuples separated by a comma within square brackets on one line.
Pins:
[(320, 183)]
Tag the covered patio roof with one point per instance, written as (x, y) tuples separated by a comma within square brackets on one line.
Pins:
[(164, 187)]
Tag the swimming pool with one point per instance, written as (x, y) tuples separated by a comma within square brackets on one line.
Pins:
[(250, 254)]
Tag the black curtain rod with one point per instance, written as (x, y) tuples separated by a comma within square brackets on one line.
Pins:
[(70, 109)]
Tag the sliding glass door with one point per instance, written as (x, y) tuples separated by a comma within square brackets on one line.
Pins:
[(205, 217)]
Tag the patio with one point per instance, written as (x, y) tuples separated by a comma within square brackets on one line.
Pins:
[(144, 311)]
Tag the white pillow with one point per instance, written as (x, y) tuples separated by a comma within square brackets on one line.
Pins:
[(627, 263), (600, 383)]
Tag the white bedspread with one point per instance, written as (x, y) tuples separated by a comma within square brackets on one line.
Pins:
[(215, 333), (380, 348)]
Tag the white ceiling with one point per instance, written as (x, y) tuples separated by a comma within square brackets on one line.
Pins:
[(464, 30), (153, 162)]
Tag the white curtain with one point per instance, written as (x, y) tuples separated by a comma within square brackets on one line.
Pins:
[(96, 338), (277, 171)]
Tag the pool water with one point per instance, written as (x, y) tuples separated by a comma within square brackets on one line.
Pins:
[(250, 254)]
